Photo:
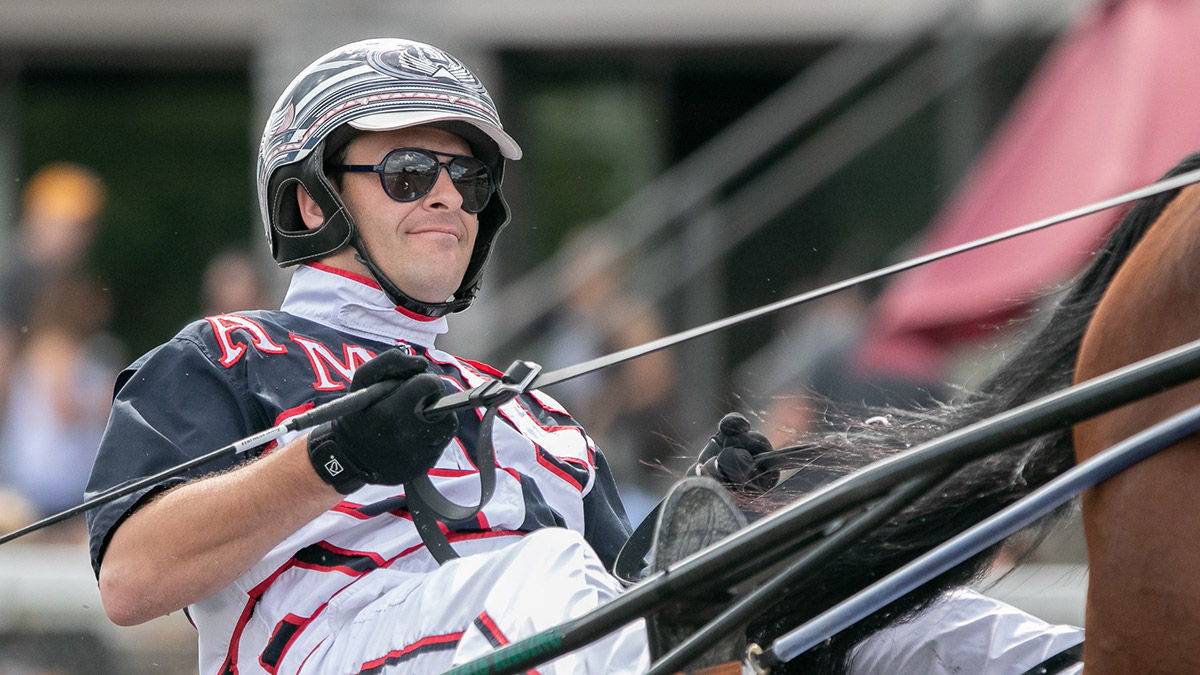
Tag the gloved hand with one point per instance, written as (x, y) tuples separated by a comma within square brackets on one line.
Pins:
[(729, 456), (390, 441)]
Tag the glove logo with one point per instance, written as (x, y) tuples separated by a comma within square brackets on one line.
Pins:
[(333, 467)]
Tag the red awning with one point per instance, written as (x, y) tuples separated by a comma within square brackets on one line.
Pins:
[(1113, 106)]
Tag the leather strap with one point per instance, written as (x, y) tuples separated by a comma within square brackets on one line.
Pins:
[(430, 510)]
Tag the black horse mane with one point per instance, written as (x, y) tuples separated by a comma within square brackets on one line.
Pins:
[(1043, 363)]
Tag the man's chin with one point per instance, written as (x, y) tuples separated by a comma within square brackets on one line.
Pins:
[(431, 290)]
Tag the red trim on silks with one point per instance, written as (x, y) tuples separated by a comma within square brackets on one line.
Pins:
[(296, 624), (483, 367), (539, 452), (281, 418), (414, 316), (458, 386), (467, 456), (551, 429), (457, 364), (292, 412), (483, 521), (494, 635), (306, 658), (452, 473), (366, 281), (491, 629), (350, 509), (547, 459), (460, 536), (255, 594), (375, 558), (548, 404), (459, 473), (397, 655), (573, 460)]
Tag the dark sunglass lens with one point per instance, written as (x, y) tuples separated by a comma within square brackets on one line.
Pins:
[(409, 174), (473, 181)]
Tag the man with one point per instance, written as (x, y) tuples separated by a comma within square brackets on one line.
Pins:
[(379, 175)]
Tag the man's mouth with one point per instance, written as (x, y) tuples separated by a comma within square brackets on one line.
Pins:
[(437, 229)]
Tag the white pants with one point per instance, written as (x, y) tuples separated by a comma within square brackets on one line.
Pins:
[(396, 622), (964, 632)]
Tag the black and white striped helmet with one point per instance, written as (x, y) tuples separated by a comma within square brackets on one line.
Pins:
[(373, 85)]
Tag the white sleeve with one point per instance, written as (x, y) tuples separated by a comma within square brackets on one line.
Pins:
[(965, 632)]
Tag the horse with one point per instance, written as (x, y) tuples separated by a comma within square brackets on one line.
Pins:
[(1143, 609)]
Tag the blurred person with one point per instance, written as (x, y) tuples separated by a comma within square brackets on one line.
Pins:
[(814, 356), (15, 510), (817, 382), (233, 282), (58, 394), (379, 175), (625, 407), (61, 207), (634, 406)]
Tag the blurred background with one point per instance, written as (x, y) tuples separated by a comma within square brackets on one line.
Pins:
[(684, 160)]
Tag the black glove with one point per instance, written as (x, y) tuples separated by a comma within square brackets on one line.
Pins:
[(390, 441), (729, 456)]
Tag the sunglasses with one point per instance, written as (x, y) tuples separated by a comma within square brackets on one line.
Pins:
[(407, 174)]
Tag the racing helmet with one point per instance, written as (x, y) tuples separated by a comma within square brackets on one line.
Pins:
[(373, 85)]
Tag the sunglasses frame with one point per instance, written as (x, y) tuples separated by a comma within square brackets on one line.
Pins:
[(379, 169)]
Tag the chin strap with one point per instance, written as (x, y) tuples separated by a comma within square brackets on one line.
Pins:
[(399, 297)]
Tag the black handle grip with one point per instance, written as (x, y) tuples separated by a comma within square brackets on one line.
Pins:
[(352, 402)]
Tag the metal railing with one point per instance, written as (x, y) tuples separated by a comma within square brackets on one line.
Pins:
[(679, 226)]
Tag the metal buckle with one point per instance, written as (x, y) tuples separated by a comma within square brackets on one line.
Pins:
[(516, 380)]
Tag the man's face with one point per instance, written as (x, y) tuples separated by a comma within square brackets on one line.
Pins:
[(423, 246)]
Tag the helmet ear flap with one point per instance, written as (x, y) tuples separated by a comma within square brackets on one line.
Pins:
[(290, 232)]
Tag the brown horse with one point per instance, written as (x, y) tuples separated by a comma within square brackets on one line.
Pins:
[(1143, 607), (1143, 614)]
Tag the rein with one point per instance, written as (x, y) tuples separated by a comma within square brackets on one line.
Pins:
[(881, 486), (772, 534), (519, 379), (461, 400)]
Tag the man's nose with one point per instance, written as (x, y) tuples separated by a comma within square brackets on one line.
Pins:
[(444, 191)]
